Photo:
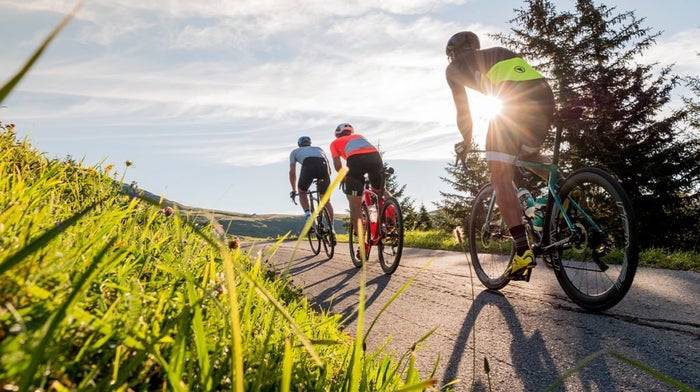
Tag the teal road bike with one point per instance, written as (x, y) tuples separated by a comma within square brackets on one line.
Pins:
[(585, 230)]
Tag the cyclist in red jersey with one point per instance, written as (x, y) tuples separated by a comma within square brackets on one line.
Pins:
[(361, 158), (518, 131)]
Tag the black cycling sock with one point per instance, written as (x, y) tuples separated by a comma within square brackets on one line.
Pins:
[(520, 238)]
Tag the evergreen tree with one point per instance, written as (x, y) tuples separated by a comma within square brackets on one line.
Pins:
[(407, 209), (689, 236), (590, 55), (455, 206), (424, 221)]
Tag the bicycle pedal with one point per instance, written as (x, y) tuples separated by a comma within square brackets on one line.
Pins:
[(522, 276)]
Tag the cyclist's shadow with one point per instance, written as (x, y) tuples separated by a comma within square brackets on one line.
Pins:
[(299, 265), (528, 353), (342, 298)]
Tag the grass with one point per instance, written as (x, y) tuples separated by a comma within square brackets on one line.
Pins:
[(103, 290)]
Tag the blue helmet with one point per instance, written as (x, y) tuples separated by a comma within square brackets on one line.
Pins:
[(304, 141)]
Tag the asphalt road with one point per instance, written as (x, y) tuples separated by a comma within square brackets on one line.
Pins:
[(531, 334)]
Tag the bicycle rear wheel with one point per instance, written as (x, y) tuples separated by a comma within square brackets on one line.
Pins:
[(314, 239), (490, 244), (597, 260), (391, 245), (325, 230), (354, 241)]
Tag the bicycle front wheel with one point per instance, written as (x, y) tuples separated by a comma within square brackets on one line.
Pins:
[(325, 230), (314, 239), (596, 260), (354, 241), (391, 245), (490, 244)]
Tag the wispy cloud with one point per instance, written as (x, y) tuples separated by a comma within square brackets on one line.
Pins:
[(236, 72)]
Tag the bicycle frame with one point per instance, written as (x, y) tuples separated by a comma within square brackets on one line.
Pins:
[(587, 235), (371, 197)]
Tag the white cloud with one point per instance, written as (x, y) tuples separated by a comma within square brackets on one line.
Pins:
[(681, 49), (238, 69)]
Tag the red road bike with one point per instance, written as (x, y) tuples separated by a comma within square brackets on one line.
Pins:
[(382, 223)]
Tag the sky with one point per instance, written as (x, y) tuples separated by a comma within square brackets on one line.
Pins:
[(207, 98)]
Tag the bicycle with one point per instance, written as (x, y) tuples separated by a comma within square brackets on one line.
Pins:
[(321, 231), (588, 234), (382, 221)]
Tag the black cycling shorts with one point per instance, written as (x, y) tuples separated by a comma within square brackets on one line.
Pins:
[(524, 121), (314, 167), (359, 165)]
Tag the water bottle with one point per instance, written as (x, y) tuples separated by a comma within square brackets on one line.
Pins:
[(538, 220), (527, 202), (373, 213)]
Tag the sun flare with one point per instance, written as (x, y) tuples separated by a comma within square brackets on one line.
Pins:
[(484, 106)]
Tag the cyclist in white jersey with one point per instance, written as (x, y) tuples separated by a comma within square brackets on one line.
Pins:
[(314, 165)]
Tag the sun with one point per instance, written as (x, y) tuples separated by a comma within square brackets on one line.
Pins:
[(483, 106)]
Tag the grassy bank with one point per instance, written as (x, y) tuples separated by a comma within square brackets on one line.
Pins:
[(101, 290)]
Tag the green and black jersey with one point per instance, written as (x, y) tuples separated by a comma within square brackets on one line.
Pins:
[(499, 71)]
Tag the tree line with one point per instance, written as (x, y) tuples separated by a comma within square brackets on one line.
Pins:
[(627, 125)]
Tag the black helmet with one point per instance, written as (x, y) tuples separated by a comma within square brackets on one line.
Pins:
[(344, 129), (304, 141), (464, 40)]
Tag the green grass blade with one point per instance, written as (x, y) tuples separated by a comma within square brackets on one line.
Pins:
[(285, 313), (7, 88), (235, 320), (287, 365), (653, 372), (397, 294), (43, 239), (58, 316), (580, 365)]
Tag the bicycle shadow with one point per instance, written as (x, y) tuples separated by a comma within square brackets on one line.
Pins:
[(529, 355), (299, 266), (342, 297)]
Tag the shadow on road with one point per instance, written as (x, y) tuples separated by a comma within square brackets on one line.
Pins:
[(529, 354), (343, 286)]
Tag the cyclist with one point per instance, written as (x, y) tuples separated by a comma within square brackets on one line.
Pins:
[(314, 165), (518, 130), (361, 158)]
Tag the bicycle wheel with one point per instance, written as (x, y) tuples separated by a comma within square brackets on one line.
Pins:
[(597, 261), (314, 239), (353, 240), (391, 244), (490, 245), (325, 230)]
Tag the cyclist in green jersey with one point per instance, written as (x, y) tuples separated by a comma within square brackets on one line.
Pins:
[(517, 131)]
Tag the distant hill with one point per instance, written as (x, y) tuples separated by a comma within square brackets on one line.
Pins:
[(243, 225)]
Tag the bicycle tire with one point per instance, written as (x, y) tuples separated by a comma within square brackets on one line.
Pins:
[(594, 268), (490, 244), (390, 247), (325, 230), (314, 239), (353, 241)]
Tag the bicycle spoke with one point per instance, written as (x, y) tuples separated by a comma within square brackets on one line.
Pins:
[(599, 257), (354, 241), (391, 245), (490, 244)]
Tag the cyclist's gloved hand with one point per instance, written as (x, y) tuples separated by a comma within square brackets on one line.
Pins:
[(292, 194), (461, 150)]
